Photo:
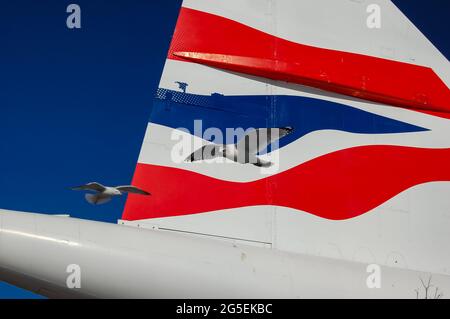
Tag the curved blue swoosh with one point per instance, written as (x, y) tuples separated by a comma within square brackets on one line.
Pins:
[(179, 110)]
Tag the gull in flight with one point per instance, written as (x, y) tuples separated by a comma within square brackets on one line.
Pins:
[(104, 194), (246, 150)]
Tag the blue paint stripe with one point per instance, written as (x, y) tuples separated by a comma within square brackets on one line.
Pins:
[(179, 110)]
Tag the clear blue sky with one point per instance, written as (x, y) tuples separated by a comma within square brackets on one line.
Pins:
[(74, 104)]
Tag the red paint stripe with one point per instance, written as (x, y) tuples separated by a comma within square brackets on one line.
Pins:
[(220, 42), (340, 185)]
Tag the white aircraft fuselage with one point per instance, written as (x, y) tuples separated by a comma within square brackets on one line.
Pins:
[(38, 252)]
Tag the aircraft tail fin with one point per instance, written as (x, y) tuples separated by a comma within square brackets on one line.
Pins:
[(368, 106)]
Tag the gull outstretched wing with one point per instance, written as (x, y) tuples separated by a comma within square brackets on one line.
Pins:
[(132, 189), (206, 152), (257, 140), (93, 186)]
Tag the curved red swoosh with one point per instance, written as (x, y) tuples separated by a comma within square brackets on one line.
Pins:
[(339, 185), (223, 43)]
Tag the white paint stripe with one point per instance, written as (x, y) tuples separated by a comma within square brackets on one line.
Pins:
[(411, 228), (204, 80), (337, 25), (158, 146), (398, 229)]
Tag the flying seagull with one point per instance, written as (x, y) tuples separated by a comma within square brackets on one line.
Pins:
[(246, 150), (104, 194)]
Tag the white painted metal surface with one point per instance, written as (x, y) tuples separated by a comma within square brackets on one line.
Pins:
[(128, 262)]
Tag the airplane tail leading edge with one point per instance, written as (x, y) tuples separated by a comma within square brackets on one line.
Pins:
[(364, 174)]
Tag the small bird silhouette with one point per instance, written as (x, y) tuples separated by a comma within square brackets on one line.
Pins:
[(182, 86)]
